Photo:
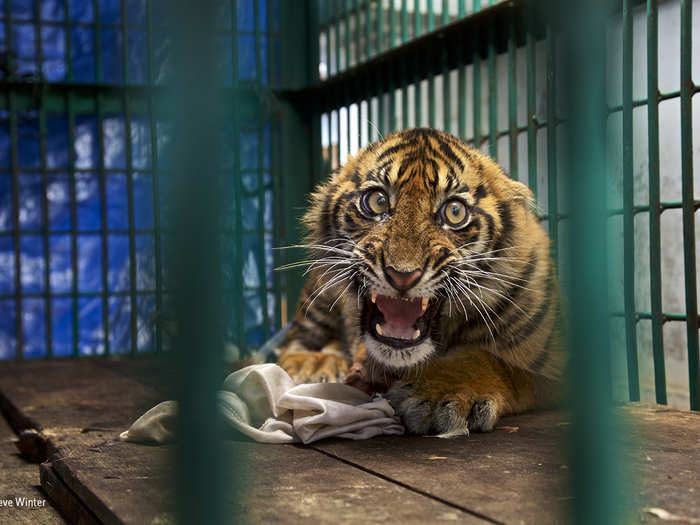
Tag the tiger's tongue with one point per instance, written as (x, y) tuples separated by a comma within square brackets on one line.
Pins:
[(399, 316)]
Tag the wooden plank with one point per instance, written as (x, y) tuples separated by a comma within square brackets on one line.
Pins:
[(519, 476), (65, 499), (512, 476), (20, 479), (93, 475)]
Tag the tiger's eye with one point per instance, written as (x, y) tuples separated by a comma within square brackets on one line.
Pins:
[(376, 202), (454, 213)]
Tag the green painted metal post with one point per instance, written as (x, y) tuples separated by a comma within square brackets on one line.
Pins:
[(628, 204), (197, 107), (593, 454), (691, 299), (654, 202)]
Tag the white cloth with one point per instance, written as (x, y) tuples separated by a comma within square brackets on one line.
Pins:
[(262, 402)]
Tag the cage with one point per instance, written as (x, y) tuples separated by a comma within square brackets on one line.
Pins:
[(91, 171)]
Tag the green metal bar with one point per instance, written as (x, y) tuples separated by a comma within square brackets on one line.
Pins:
[(156, 183), (445, 18), (404, 21), (336, 26), (98, 41), (446, 90), (431, 90), (262, 268), (198, 109), (392, 97), (44, 187), (493, 93), (239, 305), (102, 183), (380, 105), (461, 86), (594, 434), (346, 20), (380, 26), (67, 42), (392, 25), (368, 30), (628, 203), (74, 223), (431, 16), (461, 9), (691, 300), (358, 33), (476, 85), (531, 105), (552, 196), (404, 95), (512, 105), (16, 227), (417, 19)]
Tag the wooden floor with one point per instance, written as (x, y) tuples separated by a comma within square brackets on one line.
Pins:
[(516, 474)]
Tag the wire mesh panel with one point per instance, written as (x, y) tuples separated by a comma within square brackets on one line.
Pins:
[(492, 75), (85, 163)]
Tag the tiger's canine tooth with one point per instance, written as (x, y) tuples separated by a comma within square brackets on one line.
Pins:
[(374, 297), (416, 334), (379, 329), (424, 303)]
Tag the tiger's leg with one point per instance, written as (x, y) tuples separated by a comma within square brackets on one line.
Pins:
[(326, 365), (468, 390)]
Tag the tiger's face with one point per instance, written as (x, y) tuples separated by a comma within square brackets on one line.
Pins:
[(416, 226)]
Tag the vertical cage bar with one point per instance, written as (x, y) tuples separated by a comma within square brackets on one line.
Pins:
[(531, 104), (368, 29), (431, 16), (392, 96), (476, 85), (380, 26), (628, 204), (239, 304), (654, 202), (404, 94), (431, 89), (48, 325), (346, 20), (552, 206), (445, 18), (336, 26), (691, 300), (15, 226), (74, 223), (262, 263), (594, 433), (132, 226), (102, 182), (392, 25), (156, 182), (461, 86), (417, 19), (512, 104), (404, 21), (446, 91), (493, 93)]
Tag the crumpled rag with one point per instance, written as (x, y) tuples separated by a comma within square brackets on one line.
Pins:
[(263, 403)]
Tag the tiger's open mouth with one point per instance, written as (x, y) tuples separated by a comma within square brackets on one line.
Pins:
[(399, 322)]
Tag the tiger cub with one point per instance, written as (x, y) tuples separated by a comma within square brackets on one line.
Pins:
[(427, 257)]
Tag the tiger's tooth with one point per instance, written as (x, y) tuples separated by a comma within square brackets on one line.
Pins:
[(374, 297), (416, 334), (424, 304), (379, 329)]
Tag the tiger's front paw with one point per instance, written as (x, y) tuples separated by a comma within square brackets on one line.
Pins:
[(429, 411), (314, 367)]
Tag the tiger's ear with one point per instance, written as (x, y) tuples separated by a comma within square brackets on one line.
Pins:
[(520, 192)]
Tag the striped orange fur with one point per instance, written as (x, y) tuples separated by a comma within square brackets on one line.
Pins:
[(424, 251)]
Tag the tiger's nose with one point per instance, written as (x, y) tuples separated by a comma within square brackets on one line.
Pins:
[(402, 281)]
